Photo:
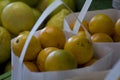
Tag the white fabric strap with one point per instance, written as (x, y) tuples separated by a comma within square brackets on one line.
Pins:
[(81, 16)]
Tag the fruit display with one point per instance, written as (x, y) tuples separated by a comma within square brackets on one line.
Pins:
[(80, 47), (101, 23), (49, 49), (17, 16)]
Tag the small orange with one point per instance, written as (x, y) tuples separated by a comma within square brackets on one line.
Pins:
[(51, 36), (101, 37), (101, 23), (60, 60), (80, 47), (33, 48), (42, 57), (84, 22)]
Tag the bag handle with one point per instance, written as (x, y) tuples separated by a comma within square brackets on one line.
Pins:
[(44, 15), (80, 18)]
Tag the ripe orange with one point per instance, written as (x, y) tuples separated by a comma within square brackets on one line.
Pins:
[(60, 60), (80, 47), (84, 22), (82, 33), (52, 36), (33, 48), (101, 37), (101, 23), (17, 17), (42, 57)]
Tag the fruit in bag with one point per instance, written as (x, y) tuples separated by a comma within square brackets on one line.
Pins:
[(33, 48), (80, 47)]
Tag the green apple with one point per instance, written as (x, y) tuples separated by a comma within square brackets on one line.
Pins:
[(29, 2), (5, 39), (36, 13), (70, 3), (58, 19), (3, 3), (80, 47), (17, 17)]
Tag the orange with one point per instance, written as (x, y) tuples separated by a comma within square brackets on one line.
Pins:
[(81, 33), (84, 22), (101, 37), (33, 48), (80, 47), (51, 36), (60, 60), (31, 66), (42, 57), (101, 23), (117, 27)]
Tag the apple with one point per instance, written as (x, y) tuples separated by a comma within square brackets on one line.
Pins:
[(70, 3)]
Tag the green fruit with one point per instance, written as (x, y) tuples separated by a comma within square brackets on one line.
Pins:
[(60, 60), (42, 4), (3, 3), (80, 47), (58, 19), (36, 13), (29, 2), (5, 39), (70, 3), (17, 17)]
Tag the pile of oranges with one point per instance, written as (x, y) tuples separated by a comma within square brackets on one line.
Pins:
[(49, 50)]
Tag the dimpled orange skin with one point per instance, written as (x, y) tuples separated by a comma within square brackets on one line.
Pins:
[(101, 23), (101, 37), (42, 57), (52, 36), (33, 48), (80, 47)]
